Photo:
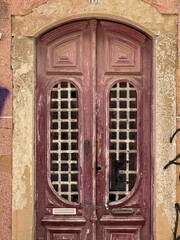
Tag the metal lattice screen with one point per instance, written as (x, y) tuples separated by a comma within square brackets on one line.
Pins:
[(123, 144), (64, 140)]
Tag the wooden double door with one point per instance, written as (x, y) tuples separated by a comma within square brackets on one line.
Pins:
[(93, 133)]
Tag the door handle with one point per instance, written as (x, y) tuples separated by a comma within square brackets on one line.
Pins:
[(86, 146)]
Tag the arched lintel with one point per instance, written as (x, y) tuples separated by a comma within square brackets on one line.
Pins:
[(88, 16)]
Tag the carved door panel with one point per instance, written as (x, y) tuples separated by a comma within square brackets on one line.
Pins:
[(124, 132), (93, 133)]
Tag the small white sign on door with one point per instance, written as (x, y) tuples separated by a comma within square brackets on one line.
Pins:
[(64, 211)]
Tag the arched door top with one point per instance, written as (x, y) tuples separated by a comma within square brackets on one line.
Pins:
[(94, 132)]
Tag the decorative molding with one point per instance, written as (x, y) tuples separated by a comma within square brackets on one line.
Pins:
[(65, 56), (124, 31), (136, 203), (122, 233), (64, 221), (122, 220), (50, 203), (93, 24), (63, 30), (122, 236), (62, 236), (121, 55), (62, 233)]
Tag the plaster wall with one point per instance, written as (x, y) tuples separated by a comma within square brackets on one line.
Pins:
[(163, 30)]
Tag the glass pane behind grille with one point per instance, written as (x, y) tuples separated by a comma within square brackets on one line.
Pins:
[(123, 144), (64, 140)]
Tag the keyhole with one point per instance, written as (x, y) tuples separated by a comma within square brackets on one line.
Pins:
[(98, 169)]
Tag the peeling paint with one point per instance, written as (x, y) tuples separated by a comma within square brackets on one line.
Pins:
[(165, 62), (22, 63), (165, 115)]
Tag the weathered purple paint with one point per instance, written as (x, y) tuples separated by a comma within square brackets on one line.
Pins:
[(97, 55)]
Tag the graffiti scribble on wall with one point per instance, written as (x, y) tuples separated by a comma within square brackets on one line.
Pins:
[(4, 92), (177, 206)]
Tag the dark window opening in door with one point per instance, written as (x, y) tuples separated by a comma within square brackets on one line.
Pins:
[(64, 140), (123, 140)]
